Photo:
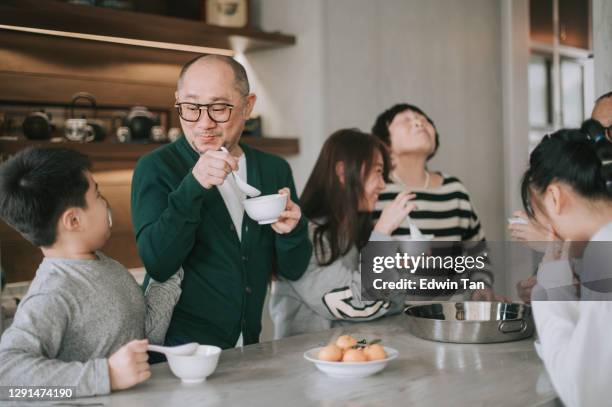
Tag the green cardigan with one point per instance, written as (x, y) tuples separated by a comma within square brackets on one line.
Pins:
[(180, 223)]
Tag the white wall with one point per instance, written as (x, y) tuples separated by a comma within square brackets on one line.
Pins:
[(602, 45), (355, 58), (289, 81), (515, 61), (442, 56)]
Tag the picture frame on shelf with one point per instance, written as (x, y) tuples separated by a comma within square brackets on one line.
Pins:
[(227, 13)]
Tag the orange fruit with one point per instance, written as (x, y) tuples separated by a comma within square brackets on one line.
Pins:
[(354, 355), (330, 353), (375, 352), (346, 342)]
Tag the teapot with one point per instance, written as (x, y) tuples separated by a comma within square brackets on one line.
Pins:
[(38, 126), (82, 129), (140, 121)]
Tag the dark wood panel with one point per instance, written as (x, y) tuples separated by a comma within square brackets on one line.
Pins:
[(118, 197), (129, 152), (541, 21), (48, 88), (20, 259), (122, 247), (274, 145), (53, 15), (574, 27), (68, 57)]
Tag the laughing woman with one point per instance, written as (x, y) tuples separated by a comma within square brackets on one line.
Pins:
[(567, 190), (338, 200)]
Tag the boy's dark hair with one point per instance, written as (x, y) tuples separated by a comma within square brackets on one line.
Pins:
[(381, 126), (37, 185)]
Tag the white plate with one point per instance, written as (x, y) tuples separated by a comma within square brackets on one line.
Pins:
[(349, 369)]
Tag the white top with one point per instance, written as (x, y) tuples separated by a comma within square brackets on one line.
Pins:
[(233, 196), (576, 338)]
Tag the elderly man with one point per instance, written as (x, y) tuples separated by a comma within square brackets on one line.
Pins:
[(187, 212)]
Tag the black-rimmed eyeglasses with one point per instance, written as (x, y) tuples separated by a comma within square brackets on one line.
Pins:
[(217, 112)]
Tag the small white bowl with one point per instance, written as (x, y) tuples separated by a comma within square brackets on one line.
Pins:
[(265, 209), (350, 370), (197, 367)]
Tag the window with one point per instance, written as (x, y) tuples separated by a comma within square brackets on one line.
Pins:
[(561, 89)]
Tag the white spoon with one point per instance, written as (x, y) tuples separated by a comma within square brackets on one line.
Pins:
[(183, 350), (251, 192)]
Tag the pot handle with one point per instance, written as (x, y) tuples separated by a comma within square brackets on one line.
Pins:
[(83, 95), (512, 327)]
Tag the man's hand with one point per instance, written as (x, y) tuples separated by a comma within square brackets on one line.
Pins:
[(290, 217), (213, 166), (128, 366)]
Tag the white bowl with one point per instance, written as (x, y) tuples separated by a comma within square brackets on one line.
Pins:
[(349, 369), (197, 367), (265, 209)]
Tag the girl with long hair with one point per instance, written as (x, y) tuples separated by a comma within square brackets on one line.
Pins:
[(338, 200)]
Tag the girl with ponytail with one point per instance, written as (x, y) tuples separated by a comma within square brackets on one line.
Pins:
[(568, 186)]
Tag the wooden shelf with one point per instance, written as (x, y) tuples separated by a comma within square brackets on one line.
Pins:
[(108, 155), (280, 146), (60, 19)]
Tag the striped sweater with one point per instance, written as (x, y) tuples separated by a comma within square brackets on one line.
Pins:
[(446, 212)]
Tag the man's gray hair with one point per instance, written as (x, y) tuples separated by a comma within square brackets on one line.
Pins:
[(241, 81)]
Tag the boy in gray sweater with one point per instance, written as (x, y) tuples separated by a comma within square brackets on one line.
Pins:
[(84, 321)]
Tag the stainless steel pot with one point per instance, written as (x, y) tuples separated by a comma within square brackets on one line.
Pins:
[(470, 322)]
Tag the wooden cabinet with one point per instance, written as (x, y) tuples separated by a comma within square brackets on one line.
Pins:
[(61, 19), (541, 21), (49, 50), (574, 22)]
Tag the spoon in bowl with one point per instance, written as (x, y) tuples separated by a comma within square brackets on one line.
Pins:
[(183, 350), (251, 192)]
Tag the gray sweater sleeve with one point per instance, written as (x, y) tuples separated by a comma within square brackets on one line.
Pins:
[(160, 299), (334, 291), (29, 349)]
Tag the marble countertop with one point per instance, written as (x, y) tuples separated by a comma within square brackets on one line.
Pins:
[(425, 374)]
